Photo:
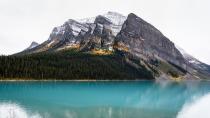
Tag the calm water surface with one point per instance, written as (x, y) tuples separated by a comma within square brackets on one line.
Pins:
[(142, 99)]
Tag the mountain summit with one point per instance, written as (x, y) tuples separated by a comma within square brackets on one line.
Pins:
[(137, 41), (33, 45)]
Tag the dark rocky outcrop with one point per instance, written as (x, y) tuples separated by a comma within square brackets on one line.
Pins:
[(141, 38)]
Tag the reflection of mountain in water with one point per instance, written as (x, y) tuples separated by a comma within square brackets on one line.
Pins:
[(197, 109)]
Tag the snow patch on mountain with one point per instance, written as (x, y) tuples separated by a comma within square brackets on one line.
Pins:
[(117, 20), (86, 20), (114, 17), (77, 27), (188, 57), (60, 30)]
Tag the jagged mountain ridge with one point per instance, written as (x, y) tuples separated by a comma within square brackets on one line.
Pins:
[(130, 35), (71, 32)]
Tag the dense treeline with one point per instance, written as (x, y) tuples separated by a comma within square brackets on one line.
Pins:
[(69, 65)]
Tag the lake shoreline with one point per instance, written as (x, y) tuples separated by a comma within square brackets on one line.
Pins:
[(85, 80), (88, 80)]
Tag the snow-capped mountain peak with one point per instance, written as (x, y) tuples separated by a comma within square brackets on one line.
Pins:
[(79, 25), (115, 18)]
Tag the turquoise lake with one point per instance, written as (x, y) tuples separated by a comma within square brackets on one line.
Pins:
[(134, 99)]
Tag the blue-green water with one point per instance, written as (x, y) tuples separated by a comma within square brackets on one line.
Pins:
[(142, 99)]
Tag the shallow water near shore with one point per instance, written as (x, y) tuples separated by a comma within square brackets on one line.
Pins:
[(114, 99)]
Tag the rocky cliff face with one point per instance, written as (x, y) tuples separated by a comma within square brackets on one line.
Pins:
[(141, 38)]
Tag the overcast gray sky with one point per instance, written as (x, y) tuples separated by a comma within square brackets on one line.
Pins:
[(185, 22)]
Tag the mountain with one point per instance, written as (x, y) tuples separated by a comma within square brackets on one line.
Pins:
[(33, 45), (194, 63), (133, 41)]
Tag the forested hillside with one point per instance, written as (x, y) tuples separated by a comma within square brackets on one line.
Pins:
[(69, 65)]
